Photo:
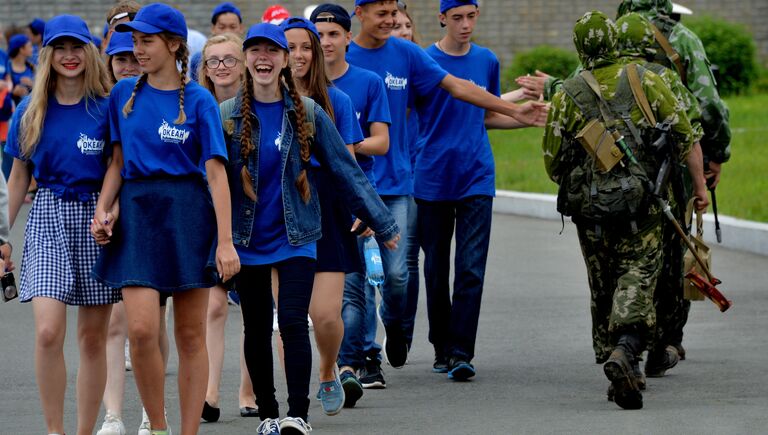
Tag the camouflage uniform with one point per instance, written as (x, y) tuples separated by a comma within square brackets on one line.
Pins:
[(672, 308), (622, 266), (637, 44)]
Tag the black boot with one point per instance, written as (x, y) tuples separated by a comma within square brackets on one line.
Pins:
[(659, 361), (619, 370)]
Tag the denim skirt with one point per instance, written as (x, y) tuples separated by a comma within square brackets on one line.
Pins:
[(337, 249), (162, 237)]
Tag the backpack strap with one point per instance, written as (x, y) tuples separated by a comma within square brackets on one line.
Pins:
[(639, 94), (309, 111), (671, 53)]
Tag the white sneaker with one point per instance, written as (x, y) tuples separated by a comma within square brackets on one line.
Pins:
[(294, 425), (128, 365), (112, 425), (144, 426)]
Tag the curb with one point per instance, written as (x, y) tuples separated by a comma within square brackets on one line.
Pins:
[(738, 234)]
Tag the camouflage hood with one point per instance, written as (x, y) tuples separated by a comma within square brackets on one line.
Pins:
[(635, 36), (647, 7), (595, 38)]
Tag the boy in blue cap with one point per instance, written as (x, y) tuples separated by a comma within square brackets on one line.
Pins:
[(408, 72), (35, 31), (225, 18)]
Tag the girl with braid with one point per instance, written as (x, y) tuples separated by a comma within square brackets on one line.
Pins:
[(58, 135), (164, 131), (273, 136), (337, 252)]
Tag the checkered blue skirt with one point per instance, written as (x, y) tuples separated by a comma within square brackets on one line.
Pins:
[(59, 253)]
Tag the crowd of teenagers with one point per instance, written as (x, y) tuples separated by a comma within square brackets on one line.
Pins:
[(254, 167)]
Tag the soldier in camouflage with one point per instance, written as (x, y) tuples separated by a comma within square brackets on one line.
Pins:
[(672, 308), (622, 263)]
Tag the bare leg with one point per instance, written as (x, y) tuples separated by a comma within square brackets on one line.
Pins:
[(163, 334), (51, 373), (325, 311), (189, 312), (92, 327), (278, 339), (217, 321), (118, 333), (142, 309), (247, 397)]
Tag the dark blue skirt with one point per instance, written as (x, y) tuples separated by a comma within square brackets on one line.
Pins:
[(337, 249), (162, 238)]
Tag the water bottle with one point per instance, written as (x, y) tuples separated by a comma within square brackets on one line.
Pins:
[(374, 270)]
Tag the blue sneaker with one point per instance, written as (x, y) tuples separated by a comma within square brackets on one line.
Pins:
[(353, 390), (460, 370), (332, 395), (270, 426), (233, 298)]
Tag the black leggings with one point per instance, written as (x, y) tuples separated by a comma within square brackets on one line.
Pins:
[(253, 284)]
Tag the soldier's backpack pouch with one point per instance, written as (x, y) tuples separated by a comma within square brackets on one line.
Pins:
[(690, 291)]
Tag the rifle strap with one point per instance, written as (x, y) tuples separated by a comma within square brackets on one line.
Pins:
[(639, 94), (671, 53), (605, 111)]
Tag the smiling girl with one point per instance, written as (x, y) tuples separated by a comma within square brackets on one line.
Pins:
[(163, 131), (58, 135)]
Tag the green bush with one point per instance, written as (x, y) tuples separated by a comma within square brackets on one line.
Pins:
[(760, 85), (731, 51), (554, 61)]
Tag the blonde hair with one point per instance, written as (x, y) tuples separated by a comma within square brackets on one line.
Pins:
[(182, 56), (96, 84), (202, 77)]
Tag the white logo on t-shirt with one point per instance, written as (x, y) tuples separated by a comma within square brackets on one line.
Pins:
[(171, 134), (358, 115), (479, 86), (89, 146), (279, 140), (395, 83)]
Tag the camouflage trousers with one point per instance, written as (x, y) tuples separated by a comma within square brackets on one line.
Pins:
[(622, 268), (671, 307)]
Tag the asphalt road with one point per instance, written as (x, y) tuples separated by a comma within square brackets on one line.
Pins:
[(536, 371)]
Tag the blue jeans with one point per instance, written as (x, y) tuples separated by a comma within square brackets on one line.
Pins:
[(412, 260), (359, 305), (453, 321)]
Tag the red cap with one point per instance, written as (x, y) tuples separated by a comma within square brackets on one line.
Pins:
[(275, 14)]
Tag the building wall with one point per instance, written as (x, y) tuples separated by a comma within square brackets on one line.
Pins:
[(506, 26)]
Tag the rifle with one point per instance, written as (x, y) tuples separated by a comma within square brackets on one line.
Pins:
[(711, 189)]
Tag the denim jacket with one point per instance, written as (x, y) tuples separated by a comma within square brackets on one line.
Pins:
[(302, 220)]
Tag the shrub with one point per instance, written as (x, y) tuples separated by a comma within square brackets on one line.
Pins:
[(554, 61), (731, 51)]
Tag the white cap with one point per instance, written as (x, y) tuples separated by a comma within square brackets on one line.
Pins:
[(680, 9)]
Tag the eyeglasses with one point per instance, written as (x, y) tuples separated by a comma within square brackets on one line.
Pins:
[(120, 16), (229, 62)]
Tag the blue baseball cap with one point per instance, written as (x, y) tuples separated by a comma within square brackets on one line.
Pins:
[(37, 25), (266, 31), (450, 4), (225, 8), (66, 25), (299, 23), (156, 18), (120, 42), (364, 2), (16, 42), (331, 13)]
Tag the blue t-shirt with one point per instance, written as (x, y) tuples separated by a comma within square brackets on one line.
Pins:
[(344, 117), (194, 64), (17, 76), (153, 146), (453, 139), (3, 64), (269, 238), (414, 145), (70, 158), (369, 98), (405, 69)]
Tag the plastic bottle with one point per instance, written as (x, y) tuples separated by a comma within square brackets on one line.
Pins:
[(374, 270)]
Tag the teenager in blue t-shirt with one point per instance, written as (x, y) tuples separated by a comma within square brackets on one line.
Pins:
[(225, 18), (277, 216), (372, 110), (58, 135), (461, 202), (337, 252), (406, 69), (163, 130)]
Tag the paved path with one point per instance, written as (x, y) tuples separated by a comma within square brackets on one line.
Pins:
[(536, 371)]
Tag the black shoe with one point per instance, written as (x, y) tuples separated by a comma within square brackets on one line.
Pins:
[(210, 414), (661, 361), (395, 348), (440, 365), (619, 371), (680, 351), (371, 376), (460, 370), (247, 411), (353, 390)]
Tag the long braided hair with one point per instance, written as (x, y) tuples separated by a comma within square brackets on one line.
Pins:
[(246, 144), (182, 56)]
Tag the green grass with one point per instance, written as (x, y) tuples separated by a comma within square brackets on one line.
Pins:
[(743, 186)]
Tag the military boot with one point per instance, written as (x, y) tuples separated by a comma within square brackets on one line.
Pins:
[(618, 369), (659, 361), (639, 378)]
